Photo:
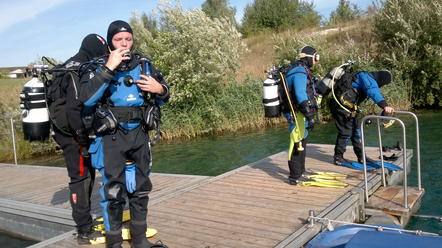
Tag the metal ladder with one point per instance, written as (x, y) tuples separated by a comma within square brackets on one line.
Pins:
[(404, 152)]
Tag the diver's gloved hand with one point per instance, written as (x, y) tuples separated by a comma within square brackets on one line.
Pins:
[(289, 118), (83, 141), (129, 171), (309, 113)]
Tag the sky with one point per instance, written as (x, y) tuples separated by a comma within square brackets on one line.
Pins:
[(30, 29)]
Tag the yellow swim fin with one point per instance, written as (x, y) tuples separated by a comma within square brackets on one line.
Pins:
[(125, 233), (100, 227), (324, 175), (323, 183)]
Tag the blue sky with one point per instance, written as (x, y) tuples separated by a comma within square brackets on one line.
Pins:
[(30, 29)]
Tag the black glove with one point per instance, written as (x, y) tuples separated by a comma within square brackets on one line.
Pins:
[(84, 142), (309, 113)]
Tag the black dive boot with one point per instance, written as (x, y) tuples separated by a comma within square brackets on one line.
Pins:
[(84, 237), (138, 234), (141, 242), (114, 239)]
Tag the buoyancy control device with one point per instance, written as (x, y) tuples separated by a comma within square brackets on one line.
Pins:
[(35, 115), (338, 81)]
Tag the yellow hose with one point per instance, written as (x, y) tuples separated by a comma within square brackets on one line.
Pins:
[(300, 147)]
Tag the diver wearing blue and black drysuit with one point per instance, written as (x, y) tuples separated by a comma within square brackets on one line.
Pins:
[(118, 89), (302, 96), (363, 85)]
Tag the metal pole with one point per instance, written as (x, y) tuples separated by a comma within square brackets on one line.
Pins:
[(405, 163), (418, 149), (384, 182), (13, 140), (363, 156)]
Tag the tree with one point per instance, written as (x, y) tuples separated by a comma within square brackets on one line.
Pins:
[(150, 23), (197, 54), (219, 9), (410, 42), (278, 14), (344, 12)]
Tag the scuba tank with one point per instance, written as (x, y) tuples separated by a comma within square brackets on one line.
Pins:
[(35, 115), (271, 97)]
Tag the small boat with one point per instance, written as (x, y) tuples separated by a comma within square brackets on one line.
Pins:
[(375, 236)]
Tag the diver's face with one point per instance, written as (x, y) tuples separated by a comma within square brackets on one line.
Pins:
[(122, 40)]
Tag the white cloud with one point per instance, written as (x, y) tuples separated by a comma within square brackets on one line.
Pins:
[(12, 12)]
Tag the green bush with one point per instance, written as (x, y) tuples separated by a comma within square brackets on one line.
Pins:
[(199, 57), (410, 39), (278, 15)]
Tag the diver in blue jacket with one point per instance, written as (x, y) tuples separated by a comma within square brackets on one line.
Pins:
[(351, 90), (121, 90), (301, 110)]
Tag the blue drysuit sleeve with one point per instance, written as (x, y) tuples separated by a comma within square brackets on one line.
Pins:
[(297, 81), (93, 85), (364, 82)]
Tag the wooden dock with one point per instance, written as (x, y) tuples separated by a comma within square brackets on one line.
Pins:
[(252, 206)]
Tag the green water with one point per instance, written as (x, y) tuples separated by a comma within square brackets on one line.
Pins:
[(215, 155), (6, 240)]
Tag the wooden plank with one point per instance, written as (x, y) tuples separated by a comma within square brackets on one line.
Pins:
[(234, 218), (203, 235), (270, 205), (222, 217), (175, 219), (391, 200), (291, 196)]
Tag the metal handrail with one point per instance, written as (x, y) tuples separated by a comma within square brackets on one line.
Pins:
[(14, 149), (404, 153), (418, 150)]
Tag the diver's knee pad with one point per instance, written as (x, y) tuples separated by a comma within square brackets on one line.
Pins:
[(114, 190)]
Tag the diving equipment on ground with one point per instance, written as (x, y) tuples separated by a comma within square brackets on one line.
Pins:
[(325, 183), (36, 123), (356, 165), (324, 175), (125, 231), (320, 179), (387, 165)]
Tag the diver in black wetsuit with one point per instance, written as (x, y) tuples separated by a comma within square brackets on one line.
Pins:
[(74, 141)]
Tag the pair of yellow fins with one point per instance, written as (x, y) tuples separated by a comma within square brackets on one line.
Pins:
[(324, 179), (125, 232)]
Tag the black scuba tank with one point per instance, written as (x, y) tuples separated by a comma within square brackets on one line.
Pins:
[(35, 115)]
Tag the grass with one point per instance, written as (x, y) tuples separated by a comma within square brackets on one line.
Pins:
[(9, 94), (259, 57)]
